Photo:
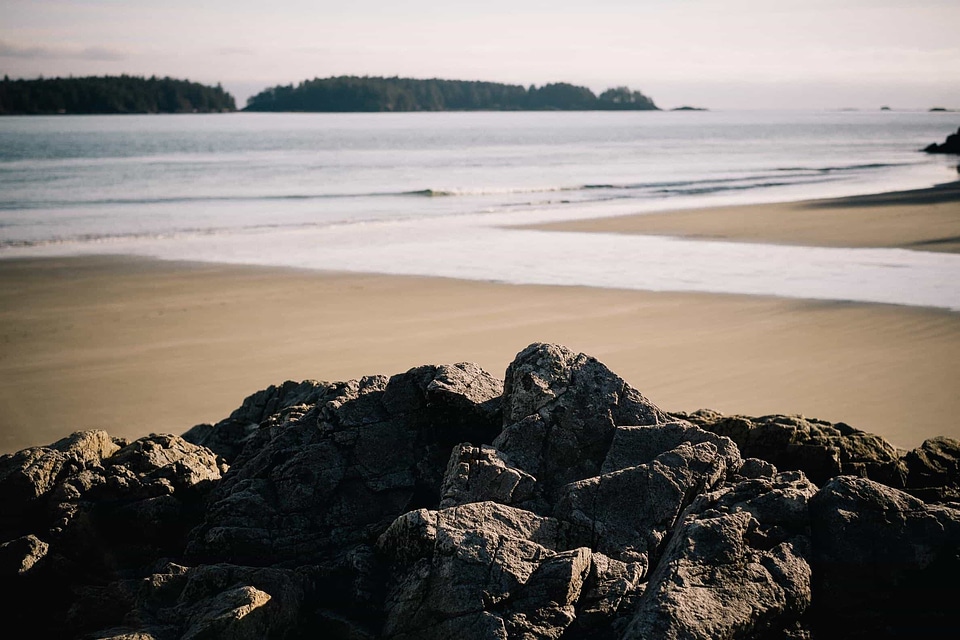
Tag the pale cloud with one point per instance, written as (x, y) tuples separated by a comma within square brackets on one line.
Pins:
[(13, 51), (8, 50), (99, 53), (838, 46), (236, 51)]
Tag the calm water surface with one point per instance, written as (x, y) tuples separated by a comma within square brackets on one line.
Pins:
[(428, 193)]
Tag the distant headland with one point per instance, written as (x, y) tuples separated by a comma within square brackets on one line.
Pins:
[(111, 95), (353, 93)]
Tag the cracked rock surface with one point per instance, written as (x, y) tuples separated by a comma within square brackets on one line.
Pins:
[(444, 503)]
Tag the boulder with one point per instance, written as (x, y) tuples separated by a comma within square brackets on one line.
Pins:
[(91, 511), (478, 474), (560, 412), (30, 474), (213, 601), (276, 403), (820, 449), (441, 503), (933, 470), (950, 145), (627, 514), (736, 565), (884, 563), (365, 453), (319, 486), (489, 569)]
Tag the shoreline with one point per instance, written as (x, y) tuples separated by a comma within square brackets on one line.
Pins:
[(136, 345), (917, 219)]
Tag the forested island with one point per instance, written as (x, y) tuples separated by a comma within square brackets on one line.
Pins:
[(110, 95), (353, 93)]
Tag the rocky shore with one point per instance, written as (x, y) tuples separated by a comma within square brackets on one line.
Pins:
[(444, 503), (950, 145)]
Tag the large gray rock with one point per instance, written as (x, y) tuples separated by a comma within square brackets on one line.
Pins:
[(28, 475), (91, 510), (735, 567), (320, 485), (439, 503), (469, 564), (560, 412), (933, 470), (885, 564), (626, 514), (213, 601), (368, 451), (820, 449), (478, 474), (275, 403)]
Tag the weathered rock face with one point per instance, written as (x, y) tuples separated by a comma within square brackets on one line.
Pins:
[(820, 449), (823, 450), (885, 563), (560, 411), (950, 145), (440, 503), (447, 580), (340, 472), (276, 403), (317, 484), (88, 509), (933, 470), (736, 566)]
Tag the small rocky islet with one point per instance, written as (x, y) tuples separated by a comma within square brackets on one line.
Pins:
[(949, 146), (445, 503)]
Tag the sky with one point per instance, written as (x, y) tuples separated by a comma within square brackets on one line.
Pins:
[(719, 54)]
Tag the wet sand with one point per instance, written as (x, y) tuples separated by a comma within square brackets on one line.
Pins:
[(136, 346), (922, 220)]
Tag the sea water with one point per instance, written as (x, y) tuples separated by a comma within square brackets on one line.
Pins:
[(437, 194)]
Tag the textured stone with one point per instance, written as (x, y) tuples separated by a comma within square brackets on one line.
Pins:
[(933, 470), (337, 476), (94, 510), (476, 474), (31, 473), (560, 411), (885, 563), (275, 403), (491, 566), (820, 449), (439, 503), (20, 555), (627, 514), (735, 566)]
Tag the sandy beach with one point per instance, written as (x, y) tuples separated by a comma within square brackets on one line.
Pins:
[(921, 220), (136, 346)]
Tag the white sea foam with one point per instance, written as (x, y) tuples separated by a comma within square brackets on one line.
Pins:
[(334, 193), (464, 249)]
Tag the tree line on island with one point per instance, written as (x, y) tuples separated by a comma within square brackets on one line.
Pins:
[(110, 95), (352, 93), (133, 94)]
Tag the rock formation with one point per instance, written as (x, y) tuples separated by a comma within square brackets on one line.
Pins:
[(950, 145), (442, 503)]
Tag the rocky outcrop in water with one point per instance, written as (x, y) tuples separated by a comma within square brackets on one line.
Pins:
[(442, 503), (950, 145)]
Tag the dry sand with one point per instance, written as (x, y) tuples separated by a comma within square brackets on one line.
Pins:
[(923, 219), (135, 346)]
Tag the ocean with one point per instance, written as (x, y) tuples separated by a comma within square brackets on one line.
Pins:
[(435, 194)]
